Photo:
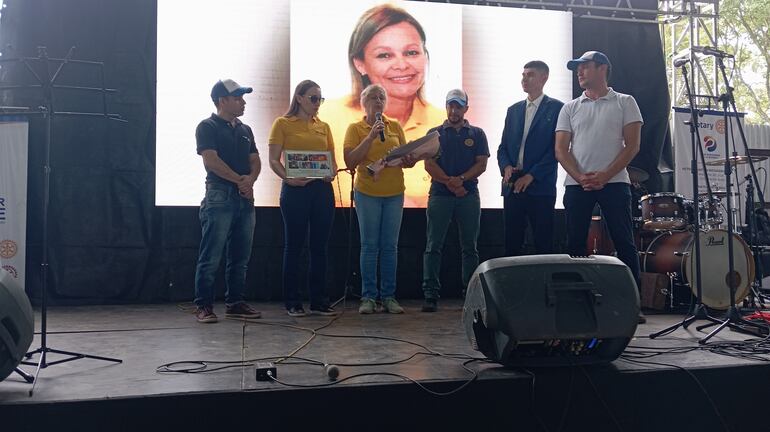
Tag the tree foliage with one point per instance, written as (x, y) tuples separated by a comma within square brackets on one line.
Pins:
[(744, 29)]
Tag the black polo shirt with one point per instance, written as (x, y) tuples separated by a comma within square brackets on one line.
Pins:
[(232, 144), (458, 153)]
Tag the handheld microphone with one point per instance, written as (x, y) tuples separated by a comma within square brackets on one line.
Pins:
[(707, 50), (681, 61), (332, 371), (378, 117)]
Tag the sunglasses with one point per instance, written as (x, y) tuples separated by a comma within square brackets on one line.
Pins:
[(316, 99)]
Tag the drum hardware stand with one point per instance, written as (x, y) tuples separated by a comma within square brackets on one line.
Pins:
[(47, 83), (756, 285), (733, 318), (698, 310), (351, 274)]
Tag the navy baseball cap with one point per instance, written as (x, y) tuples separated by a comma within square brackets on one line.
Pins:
[(228, 87), (594, 56), (458, 96)]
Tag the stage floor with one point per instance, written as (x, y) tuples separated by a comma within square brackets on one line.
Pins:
[(146, 337)]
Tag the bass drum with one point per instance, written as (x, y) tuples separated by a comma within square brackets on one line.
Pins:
[(674, 252), (599, 241)]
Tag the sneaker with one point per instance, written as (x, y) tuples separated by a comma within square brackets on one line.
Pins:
[(642, 318), (391, 306), (367, 306), (242, 310), (323, 310), (205, 314), (296, 311), (430, 305)]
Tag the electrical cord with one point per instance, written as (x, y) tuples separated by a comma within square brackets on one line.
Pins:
[(694, 378), (764, 181), (601, 399), (754, 349), (539, 420), (202, 366), (206, 366), (474, 377)]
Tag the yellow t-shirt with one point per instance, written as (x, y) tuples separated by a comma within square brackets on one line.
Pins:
[(390, 180), (293, 133), (339, 113)]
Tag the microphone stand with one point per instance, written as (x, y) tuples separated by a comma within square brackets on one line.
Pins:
[(47, 83), (698, 311), (351, 275), (733, 317)]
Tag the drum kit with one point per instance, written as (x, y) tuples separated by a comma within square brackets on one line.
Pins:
[(665, 240), (715, 263)]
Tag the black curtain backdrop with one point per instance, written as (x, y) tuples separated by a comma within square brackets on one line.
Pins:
[(109, 243)]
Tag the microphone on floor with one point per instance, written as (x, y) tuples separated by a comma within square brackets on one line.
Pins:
[(332, 371)]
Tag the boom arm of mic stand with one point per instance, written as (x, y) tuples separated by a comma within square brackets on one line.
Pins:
[(731, 100), (694, 128)]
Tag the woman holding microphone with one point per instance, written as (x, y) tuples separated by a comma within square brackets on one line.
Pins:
[(379, 202)]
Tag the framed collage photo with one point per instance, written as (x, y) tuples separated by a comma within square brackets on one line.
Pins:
[(308, 164)]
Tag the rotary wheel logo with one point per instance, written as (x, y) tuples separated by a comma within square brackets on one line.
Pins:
[(720, 127), (12, 270), (710, 143), (7, 249)]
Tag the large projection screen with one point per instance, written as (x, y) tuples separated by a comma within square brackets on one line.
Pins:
[(271, 46)]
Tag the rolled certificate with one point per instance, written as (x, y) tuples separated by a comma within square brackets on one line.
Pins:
[(420, 149)]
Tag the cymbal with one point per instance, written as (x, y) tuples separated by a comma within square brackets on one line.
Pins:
[(716, 193), (637, 175), (737, 160)]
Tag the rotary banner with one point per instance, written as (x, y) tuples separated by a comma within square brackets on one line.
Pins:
[(13, 196), (711, 125)]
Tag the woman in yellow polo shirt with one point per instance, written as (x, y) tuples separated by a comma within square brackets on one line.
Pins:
[(307, 205), (379, 202)]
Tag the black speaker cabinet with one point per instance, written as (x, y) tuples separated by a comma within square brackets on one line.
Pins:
[(551, 310), (16, 324)]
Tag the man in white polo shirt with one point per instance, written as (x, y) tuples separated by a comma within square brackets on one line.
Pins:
[(597, 135)]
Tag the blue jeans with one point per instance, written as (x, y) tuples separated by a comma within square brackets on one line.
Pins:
[(379, 221), (227, 225), (441, 209), (615, 202), (306, 209)]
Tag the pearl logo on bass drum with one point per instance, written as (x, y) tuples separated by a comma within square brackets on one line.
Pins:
[(711, 241)]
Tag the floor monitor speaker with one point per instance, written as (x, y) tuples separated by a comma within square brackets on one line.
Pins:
[(17, 326), (551, 310)]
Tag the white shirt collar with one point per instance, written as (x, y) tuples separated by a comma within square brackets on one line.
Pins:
[(537, 101), (610, 94)]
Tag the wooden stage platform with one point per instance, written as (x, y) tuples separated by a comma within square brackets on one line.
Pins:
[(410, 368)]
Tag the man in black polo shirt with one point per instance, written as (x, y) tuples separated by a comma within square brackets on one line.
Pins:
[(227, 211), (453, 194)]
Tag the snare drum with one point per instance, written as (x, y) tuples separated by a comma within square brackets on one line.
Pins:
[(663, 211), (710, 214), (674, 252)]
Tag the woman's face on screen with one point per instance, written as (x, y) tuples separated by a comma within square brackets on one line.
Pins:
[(395, 58)]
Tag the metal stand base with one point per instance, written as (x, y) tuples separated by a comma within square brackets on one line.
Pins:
[(42, 364), (732, 319), (699, 312), (27, 377)]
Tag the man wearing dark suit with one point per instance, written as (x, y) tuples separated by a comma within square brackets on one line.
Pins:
[(527, 163)]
